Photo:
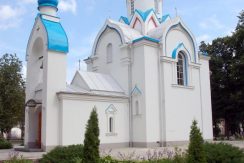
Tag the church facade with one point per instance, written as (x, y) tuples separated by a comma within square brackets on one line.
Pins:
[(144, 77)]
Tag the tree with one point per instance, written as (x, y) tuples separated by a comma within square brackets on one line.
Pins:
[(227, 77), (196, 152), (12, 96), (91, 142), (241, 21)]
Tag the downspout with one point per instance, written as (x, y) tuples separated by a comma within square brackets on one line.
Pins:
[(130, 96)]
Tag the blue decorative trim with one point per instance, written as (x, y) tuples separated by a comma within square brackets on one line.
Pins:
[(164, 18), (145, 14), (186, 70), (190, 37), (47, 4), (146, 38), (125, 20), (102, 34), (136, 89), (56, 36), (174, 53), (52, 3), (142, 14)]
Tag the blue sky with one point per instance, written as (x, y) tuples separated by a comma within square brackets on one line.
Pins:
[(82, 20)]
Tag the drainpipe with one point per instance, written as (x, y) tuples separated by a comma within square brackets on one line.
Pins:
[(130, 96)]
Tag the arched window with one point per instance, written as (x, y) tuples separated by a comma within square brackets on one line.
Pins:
[(111, 125), (181, 69), (110, 53)]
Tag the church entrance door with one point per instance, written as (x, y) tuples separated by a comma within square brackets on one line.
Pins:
[(39, 139)]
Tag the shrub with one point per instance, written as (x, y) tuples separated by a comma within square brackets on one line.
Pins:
[(91, 142), (4, 144), (195, 151), (223, 153), (69, 154), (18, 161)]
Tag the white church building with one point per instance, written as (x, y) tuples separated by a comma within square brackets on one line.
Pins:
[(144, 77)]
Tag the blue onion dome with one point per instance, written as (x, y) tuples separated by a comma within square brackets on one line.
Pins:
[(52, 3)]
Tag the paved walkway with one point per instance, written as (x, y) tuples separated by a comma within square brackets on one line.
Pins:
[(7, 154), (120, 153)]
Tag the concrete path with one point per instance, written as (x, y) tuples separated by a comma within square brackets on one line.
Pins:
[(7, 154), (120, 153)]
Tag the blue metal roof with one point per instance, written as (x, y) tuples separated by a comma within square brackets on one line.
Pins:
[(125, 19), (146, 38), (165, 17), (52, 3), (57, 38), (145, 14)]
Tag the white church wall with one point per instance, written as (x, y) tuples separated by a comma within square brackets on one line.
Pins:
[(206, 98), (54, 81), (182, 105), (75, 114), (151, 93), (117, 69), (138, 79), (145, 77), (175, 37), (35, 50)]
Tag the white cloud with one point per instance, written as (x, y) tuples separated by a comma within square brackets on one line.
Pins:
[(211, 23), (10, 16), (24, 71), (7, 12), (204, 37), (29, 1), (68, 5)]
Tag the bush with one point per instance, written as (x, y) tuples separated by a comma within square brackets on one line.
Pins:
[(195, 151), (18, 161), (223, 153), (4, 144), (91, 142), (69, 154)]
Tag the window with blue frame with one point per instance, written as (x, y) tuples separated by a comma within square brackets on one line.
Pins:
[(181, 69)]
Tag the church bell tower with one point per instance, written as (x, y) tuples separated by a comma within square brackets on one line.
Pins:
[(144, 5)]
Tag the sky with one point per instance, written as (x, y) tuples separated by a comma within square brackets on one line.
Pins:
[(82, 20)]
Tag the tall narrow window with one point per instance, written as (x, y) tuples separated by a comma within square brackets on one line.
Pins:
[(156, 6), (111, 125), (137, 108), (110, 53), (132, 7), (181, 69)]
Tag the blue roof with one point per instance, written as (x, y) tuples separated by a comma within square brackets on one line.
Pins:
[(52, 3), (125, 19), (164, 18), (146, 38), (145, 14), (57, 38)]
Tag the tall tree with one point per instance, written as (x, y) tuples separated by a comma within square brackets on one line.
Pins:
[(92, 142), (12, 94), (227, 77)]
